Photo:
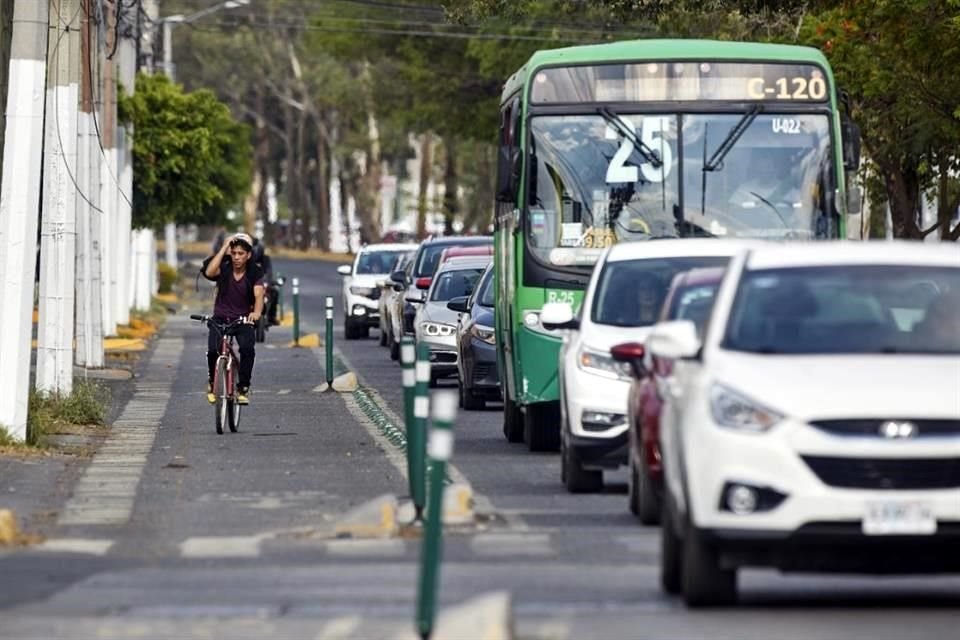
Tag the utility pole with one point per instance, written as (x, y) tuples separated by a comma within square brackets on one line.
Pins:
[(89, 352), (19, 207), (58, 230), (109, 178), (126, 71)]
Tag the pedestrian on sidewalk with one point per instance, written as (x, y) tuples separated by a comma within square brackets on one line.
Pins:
[(239, 293)]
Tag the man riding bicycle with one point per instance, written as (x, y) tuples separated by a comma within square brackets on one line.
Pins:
[(240, 290)]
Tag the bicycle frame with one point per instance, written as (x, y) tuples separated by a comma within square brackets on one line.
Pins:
[(229, 355)]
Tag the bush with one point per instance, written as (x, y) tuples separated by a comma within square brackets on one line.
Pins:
[(167, 276), (87, 405)]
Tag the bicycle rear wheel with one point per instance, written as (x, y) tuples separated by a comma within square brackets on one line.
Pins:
[(234, 406), (220, 408)]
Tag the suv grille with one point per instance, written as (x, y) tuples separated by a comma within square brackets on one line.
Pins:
[(871, 427), (886, 473)]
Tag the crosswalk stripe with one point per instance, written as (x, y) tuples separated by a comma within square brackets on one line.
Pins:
[(88, 546), (366, 548), (512, 544), (221, 547)]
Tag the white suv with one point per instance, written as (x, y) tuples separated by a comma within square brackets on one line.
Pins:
[(817, 427), (621, 303), (361, 290)]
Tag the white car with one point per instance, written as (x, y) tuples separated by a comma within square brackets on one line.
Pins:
[(435, 324), (621, 303), (817, 426), (361, 293)]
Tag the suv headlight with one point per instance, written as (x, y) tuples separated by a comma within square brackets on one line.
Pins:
[(484, 334), (366, 292), (601, 363), (433, 329), (734, 410)]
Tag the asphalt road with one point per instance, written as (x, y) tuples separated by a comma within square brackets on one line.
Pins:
[(175, 531)]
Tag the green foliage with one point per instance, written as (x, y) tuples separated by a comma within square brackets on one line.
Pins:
[(167, 277), (86, 405), (191, 157)]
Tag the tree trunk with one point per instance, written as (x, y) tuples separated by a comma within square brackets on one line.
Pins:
[(303, 197), (346, 188), (323, 191), (426, 162), (451, 200), (290, 179), (903, 191), (947, 204)]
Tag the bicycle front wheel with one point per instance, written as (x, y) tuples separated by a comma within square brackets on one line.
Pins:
[(220, 388)]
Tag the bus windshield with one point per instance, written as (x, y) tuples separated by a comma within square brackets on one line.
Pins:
[(593, 184)]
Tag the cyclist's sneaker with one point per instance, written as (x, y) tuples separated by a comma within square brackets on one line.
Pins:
[(211, 396), (243, 395)]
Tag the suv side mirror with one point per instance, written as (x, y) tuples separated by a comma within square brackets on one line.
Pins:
[(558, 315), (400, 277), (458, 304), (415, 297), (675, 340), (632, 353), (345, 269)]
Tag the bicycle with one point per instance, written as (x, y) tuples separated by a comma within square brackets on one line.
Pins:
[(225, 374)]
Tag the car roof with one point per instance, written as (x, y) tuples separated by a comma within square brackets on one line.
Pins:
[(464, 262), (700, 275), (887, 252), (468, 250), (461, 240), (672, 248), (389, 246)]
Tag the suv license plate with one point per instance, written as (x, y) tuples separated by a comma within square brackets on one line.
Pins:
[(898, 518)]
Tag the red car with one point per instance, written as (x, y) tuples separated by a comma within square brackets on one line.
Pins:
[(690, 297)]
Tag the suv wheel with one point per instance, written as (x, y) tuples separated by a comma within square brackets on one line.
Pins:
[(705, 584), (575, 477)]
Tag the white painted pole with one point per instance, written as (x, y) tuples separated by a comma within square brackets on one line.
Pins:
[(170, 229), (58, 223), (109, 179), (142, 246), (19, 207), (123, 197)]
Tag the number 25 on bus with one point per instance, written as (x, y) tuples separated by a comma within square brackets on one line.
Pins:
[(646, 139)]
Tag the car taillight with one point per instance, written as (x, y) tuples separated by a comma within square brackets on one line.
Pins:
[(423, 283)]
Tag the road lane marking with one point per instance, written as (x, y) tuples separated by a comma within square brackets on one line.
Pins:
[(283, 392), (339, 628), (366, 548), (512, 544), (87, 546), (221, 547)]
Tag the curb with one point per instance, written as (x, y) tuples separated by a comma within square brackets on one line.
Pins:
[(488, 616), (375, 518), (308, 341)]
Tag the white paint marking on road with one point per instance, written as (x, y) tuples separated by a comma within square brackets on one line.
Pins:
[(106, 492), (339, 628), (283, 392), (512, 544), (221, 547), (88, 546), (366, 548)]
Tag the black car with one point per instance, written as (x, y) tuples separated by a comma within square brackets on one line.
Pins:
[(476, 343), (425, 264)]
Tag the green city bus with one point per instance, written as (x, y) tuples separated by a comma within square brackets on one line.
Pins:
[(647, 139)]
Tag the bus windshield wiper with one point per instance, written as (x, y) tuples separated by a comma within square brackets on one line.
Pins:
[(738, 130), (771, 205), (613, 119)]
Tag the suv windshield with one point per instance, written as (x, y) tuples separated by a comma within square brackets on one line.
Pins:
[(631, 292), (694, 303), (590, 188), (849, 309), (453, 284), (377, 262)]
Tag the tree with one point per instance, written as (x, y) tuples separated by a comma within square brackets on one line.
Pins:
[(191, 157)]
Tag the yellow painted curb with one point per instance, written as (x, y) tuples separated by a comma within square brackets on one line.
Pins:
[(124, 344), (167, 297), (287, 320), (310, 341), (9, 531), (376, 518)]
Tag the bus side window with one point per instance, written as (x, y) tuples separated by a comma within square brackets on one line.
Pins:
[(508, 158)]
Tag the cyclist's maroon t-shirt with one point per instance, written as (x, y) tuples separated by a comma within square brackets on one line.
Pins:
[(235, 297)]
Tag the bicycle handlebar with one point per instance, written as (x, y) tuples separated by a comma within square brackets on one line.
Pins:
[(222, 325)]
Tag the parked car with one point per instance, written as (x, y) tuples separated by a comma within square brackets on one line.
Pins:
[(816, 426), (361, 308), (477, 373), (473, 250), (419, 277), (398, 306), (388, 294), (622, 301), (690, 297), (435, 323)]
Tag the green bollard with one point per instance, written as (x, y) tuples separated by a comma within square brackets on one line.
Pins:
[(296, 312), (439, 451), (417, 436), (407, 362), (329, 342)]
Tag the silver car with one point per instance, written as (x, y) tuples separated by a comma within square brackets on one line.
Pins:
[(435, 324)]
